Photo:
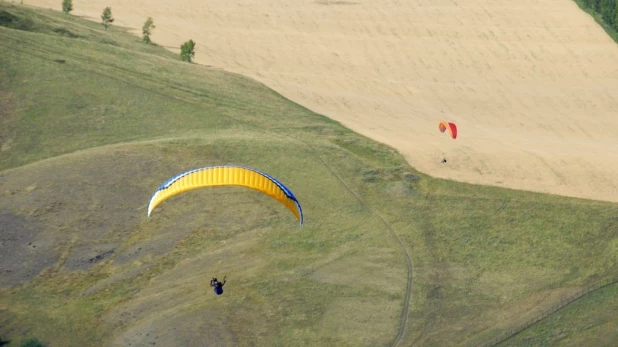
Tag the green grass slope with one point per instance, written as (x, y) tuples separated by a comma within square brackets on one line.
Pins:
[(591, 318), (92, 121)]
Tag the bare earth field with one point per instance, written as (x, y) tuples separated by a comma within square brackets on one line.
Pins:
[(532, 85)]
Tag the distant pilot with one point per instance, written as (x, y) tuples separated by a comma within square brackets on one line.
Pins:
[(217, 285)]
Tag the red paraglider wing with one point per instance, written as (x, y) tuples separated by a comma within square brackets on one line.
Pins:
[(451, 127)]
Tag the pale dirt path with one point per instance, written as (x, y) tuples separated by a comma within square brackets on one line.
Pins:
[(532, 84)]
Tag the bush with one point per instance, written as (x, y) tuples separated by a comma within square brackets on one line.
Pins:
[(106, 17), (67, 6), (147, 30), (187, 51)]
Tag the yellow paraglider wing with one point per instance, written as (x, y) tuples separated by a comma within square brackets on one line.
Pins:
[(227, 176)]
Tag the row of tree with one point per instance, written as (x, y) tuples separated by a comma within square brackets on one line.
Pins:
[(187, 49), (608, 9)]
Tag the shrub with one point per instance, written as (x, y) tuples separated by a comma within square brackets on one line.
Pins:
[(187, 51)]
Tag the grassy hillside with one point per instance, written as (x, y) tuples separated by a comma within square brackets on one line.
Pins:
[(92, 121), (591, 318)]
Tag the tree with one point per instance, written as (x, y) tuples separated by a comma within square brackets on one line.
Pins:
[(147, 30), (67, 6), (107, 17), (187, 51), (608, 11)]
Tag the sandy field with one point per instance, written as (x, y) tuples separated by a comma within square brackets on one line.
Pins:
[(531, 84)]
